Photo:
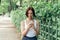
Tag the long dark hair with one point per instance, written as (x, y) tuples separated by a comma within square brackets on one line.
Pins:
[(30, 8)]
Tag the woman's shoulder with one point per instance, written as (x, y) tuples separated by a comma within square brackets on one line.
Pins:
[(37, 21)]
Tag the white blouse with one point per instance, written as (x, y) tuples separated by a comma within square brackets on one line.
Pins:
[(31, 32)]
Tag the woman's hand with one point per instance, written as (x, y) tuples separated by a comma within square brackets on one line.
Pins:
[(23, 31), (31, 24)]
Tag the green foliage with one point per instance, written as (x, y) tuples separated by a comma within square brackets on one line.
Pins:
[(17, 16), (4, 6), (48, 14), (6, 3)]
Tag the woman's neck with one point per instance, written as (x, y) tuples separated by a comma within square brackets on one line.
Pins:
[(29, 19)]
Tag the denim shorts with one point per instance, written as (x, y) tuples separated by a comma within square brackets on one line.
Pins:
[(29, 38)]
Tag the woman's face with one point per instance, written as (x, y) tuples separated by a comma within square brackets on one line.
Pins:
[(30, 14)]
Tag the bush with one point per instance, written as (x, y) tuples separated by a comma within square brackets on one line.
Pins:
[(4, 6), (17, 16)]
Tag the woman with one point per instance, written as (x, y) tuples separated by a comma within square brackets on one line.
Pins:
[(30, 26)]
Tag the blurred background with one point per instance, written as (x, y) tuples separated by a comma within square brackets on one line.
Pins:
[(47, 13)]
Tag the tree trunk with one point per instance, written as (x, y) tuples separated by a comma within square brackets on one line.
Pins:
[(20, 3)]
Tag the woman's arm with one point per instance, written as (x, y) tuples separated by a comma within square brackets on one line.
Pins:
[(37, 28), (23, 30)]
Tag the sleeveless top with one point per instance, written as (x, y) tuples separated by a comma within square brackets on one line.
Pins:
[(31, 32)]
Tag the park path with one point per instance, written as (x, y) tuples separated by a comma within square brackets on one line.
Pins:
[(7, 30)]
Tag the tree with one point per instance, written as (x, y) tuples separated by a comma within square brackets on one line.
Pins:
[(20, 3), (0, 1)]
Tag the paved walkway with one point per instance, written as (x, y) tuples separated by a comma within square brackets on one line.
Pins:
[(7, 29)]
